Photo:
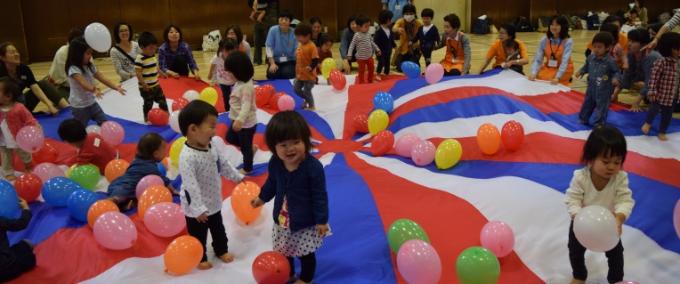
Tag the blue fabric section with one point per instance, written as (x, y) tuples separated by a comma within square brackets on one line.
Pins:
[(406, 86)]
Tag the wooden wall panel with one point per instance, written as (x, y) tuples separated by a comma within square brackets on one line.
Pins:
[(13, 26), (326, 11), (500, 12)]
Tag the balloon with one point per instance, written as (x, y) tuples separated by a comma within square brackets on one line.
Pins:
[(47, 154), (512, 135), (146, 182), (179, 103), (477, 265), (115, 231), (112, 133), (382, 143), (165, 219), (285, 103), (151, 196), (94, 129), (98, 208), (338, 80), (57, 190), (98, 37), (30, 138), (411, 69), (274, 100), (79, 203), (28, 186), (9, 202), (263, 94), (174, 121), (418, 262), (191, 95), (434, 73), (360, 123), (328, 65), (47, 171), (403, 230), (423, 153), (676, 217), (176, 149), (488, 139), (628, 282), (384, 101), (209, 95), (240, 202), (405, 144), (378, 121), (115, 169), (182, 255), (448, 154), (86, 175), (497, 237), (595, 228), (158, 117), (271, 267)]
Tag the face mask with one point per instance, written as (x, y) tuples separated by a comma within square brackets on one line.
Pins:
[(409, 18)]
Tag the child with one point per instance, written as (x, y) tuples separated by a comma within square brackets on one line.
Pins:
[(151, 149), (663, 84), (307, 59), (457, 59), (147, 70), (512, 49), (640, 63), (92, 149), (298, 184), (201, 167), (218, 75), (384, 39), (428, 35), (259, 9), (600, 182), (324, 49), (365, 47), (243, 107), (603, 80), (81, 74), (18, 258), (13, 117)]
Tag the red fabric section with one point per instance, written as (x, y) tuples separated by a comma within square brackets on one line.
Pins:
[(175, 88), (360, 101)]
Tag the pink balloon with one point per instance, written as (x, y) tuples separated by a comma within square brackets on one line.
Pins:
[(405, 144), (112, 133), (498, 237), (628, 282), (115, 230), (418, 262), (30, 138), (146, 182), (434, 73), (46, 171), (423, 152), (286, 102), (676, 218), (165, 219)]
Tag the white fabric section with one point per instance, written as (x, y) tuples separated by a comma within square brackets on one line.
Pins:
[(541, 233)]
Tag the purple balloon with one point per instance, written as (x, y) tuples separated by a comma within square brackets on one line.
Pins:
[(418, 262), (498, 237), (405, 144), (115, 230), (112, 133), (165, 219), (146, 182), (423, 152)]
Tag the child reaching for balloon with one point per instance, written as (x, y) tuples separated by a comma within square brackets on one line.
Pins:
[(13, 117), (92, 149), (298, 185), (601, 182)]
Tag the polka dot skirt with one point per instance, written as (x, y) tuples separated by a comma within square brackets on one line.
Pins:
[(296, 244)]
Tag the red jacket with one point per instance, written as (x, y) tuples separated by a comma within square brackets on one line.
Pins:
[(95, 151), (18, 117)]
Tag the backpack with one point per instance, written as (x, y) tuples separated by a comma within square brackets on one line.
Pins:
[(522, 24), (481, 27)]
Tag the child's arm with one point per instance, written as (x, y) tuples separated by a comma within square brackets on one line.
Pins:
[(191, 185), (624, 203), (575, 193), (352, 45), (584, 69), (211, 75), (467, 54), (140, 76), (108, 83), (616, 79), (319, 194), (228, 171), (26, 117), (376, 48), (315, 60), (268, 190)]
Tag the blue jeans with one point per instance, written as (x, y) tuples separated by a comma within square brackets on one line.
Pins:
[(304, 90), (595, 102), (85, 114)]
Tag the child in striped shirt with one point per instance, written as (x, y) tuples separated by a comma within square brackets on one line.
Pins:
[(365, 47), (147, 70)]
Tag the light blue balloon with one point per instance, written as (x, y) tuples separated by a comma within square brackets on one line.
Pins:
[(57, 190), (79, 203), (9, 201), (411, 69), (384, 101)]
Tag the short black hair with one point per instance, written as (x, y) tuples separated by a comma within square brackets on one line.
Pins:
[(604, 140), (613, 18), (148, 144), (511, 43), (287, 125), (350, 19), (611, 29), (453, 20), (303, 30), (408, 8), (361, 20), (605, 38), (286, 14), (385, 16), (564, 27), (76, 51), (237, 31), (72, 131), (146, 39), (76, 32), (668, 42), (324, 38), (639, 35), (116, 30), (10, 88), (511, 30), (314, 20), (167, 30), (227, 44), (195, 113), (427, 12), (238, 63)]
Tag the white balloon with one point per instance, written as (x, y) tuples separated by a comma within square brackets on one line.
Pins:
[(94, 129), (174, 121), (595, 228), (98, 37), (191, 95)]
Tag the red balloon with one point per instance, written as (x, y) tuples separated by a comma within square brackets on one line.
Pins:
[(382, 143), (274, 100), (263, 94), (28, 187), (47, 154), (158, 117), (179, 103), (337, 79), (512, 135), (360, 123), (271, 268)]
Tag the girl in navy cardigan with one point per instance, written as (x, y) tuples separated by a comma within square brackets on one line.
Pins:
[(298, 184)]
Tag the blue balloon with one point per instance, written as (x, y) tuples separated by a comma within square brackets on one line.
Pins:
[(79, 203), (411, 69), (384, 101), (162, 169), (57, 190), (9, 201)]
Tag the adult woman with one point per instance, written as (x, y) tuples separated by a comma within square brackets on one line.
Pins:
[(553, 56), (642, 12), (11, 66), (124, 53), (234, 32), (317, 35), (281, 45), (406, 29), (497, 52), (174, 55), (345, 40)]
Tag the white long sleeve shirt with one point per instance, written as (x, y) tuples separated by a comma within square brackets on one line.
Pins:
[(615, 196)]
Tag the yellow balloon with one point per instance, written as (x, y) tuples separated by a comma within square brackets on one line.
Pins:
[(209, 95), (328, 65), (68, 172), (378, 121), (448, 154), (176, 149)]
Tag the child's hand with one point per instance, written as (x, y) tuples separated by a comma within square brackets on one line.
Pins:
[(579, 75), (173, 74), (53, 110), (202, 218), (378, 52), (554, 81), (120, 89), (197, 76), (532, 77), (257, 202), (162, 74), (309, 69), (98, 93), (237, 126), (322, 228), (23, 204), (620, 218)]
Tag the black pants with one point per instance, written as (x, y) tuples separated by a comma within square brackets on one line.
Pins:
[(308, 263), (427, 53), (244, 140), (24, 260), (30, 100), (578, 264), (259, 37), (180, 66), (226, 92), (666, 116), (453, 72), (286, 71), (155, 94), (384, 62), (217, 231), (408, 57)]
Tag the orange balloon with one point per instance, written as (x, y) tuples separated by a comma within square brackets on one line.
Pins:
[(488, 139), (115, 169), (98, 208), (240, 202), (151, 196), (182, 255)]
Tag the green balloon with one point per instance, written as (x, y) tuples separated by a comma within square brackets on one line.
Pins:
[(404, 230), (477, 265), (86, 175)]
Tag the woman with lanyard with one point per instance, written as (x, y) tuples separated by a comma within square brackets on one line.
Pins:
[(280, 46), (503, 60), (553, 57), (124, 53), (174, 55)]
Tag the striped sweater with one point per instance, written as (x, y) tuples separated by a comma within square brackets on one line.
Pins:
[(364, 45)]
